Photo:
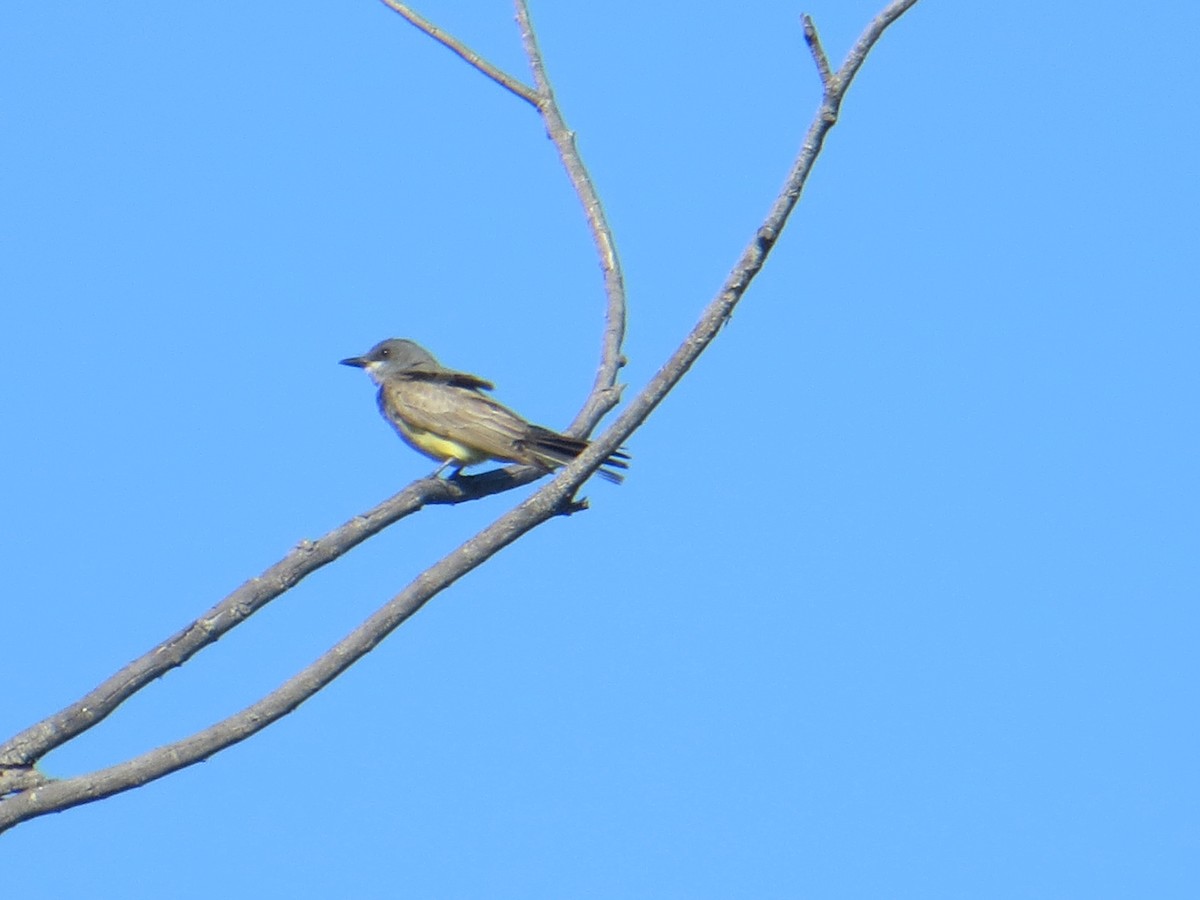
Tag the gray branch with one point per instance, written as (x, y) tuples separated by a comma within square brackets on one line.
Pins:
[(502, 78)]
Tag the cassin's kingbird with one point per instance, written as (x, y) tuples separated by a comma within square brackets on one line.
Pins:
[(445, 414)]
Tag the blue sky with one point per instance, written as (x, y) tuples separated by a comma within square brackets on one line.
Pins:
[(900, 598)]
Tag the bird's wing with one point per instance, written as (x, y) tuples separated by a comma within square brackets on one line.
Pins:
[(461, 414)]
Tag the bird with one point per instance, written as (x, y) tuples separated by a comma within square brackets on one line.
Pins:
[(446, 415)]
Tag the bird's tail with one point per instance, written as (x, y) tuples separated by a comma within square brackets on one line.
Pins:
[(552, 449)]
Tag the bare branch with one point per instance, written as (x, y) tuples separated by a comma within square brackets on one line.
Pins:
[(603, 397), (33, 743), (58, 795), (818, 52), (858, 53), (717, 313), (34, 798), (502, 78)]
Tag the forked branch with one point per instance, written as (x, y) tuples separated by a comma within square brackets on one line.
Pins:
[(502, 78), (30, 795)]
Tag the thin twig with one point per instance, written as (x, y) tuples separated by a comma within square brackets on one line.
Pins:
[(502, 78), (603, 395), (858, 53), (818, 52)]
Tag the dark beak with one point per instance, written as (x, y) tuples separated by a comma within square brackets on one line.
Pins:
[(357, 361)]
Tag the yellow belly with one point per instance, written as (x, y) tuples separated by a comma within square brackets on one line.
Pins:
[(440, 448)]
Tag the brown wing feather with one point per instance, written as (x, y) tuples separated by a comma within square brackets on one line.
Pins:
[(461, 414)]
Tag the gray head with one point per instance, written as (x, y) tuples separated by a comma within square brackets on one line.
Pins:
[(392, 357)]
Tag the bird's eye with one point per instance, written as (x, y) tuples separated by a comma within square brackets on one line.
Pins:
[(385, 352)]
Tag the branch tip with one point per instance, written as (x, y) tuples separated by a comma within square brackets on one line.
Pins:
[(818, 52)]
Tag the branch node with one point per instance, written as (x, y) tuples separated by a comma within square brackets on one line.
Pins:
[(15, 779), (569, 507)]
